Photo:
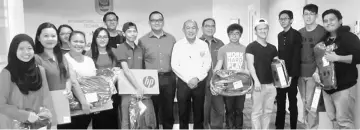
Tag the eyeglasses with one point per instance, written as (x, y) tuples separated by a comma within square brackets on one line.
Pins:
[(156, 20), (283, 19)]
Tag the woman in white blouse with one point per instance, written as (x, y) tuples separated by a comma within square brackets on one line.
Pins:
[(79, 66)]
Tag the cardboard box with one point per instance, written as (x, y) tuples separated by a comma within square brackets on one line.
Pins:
[(280, 75), (104, 107), (148, 80), (61, 106)]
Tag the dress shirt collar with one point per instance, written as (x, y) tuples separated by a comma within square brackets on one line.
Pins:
[(212, 39)]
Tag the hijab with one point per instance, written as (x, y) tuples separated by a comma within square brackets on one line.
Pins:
[(26, 75)]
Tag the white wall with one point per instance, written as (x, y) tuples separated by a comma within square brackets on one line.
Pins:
[(60, 12), (348, 8), (12, 23), (224, 10), (275, 7)]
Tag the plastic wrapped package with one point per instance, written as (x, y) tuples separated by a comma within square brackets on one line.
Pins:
[(326, 68), (43, 122), (100, 88), (141, 113), (97, 85), (280, 75), (231, 83)]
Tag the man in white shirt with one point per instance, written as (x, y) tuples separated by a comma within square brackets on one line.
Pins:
[(191, 61)]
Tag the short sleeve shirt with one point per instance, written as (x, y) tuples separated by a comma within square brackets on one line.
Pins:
[(233, 56), (85, 68), (157, 51), (52, 71), (114, 41), (132, 56), (263, 57), (103, 61)]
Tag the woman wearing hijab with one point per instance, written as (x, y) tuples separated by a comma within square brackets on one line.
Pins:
[(104, 58), (24, 88)]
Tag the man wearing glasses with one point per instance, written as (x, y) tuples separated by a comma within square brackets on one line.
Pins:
[(289, 47), (312, 33), (232, 57), (157, 46), (116, 38), (214, 105)]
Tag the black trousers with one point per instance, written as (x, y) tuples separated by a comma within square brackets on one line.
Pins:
[(77, 122), (108, 119), (234, 111), (164, 102), (281, 104), (184, 96)]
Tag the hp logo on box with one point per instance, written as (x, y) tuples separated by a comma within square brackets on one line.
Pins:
[(149, 82)]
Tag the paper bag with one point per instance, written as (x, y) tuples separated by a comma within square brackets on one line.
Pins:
[(61, 106)]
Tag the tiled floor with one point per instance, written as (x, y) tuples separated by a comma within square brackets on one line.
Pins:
[(247, 118)]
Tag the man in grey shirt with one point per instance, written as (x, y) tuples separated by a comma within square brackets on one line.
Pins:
[(312, 33), (157, 46)]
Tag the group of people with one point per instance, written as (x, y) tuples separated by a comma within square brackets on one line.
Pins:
[(56, 58)]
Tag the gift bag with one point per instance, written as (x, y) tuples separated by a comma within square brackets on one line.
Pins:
[(326, 68), (280, 75), (41, 123), (142, 114), (230, 83)]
